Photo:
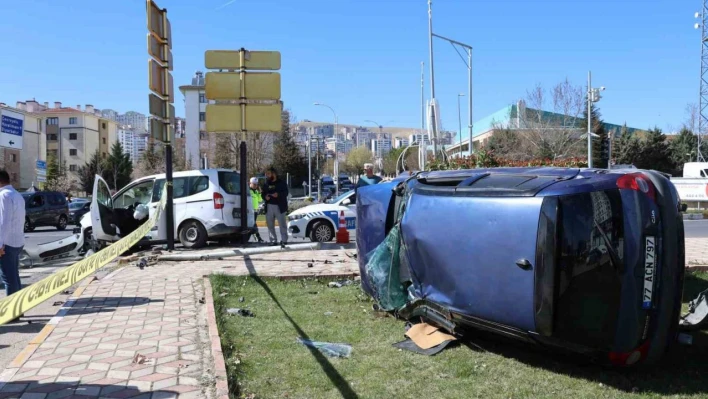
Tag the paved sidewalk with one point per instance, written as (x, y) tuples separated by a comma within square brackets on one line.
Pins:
[(696, 252), (142, 333)]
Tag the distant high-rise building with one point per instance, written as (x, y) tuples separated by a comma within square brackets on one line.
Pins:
[(136, 120), (110, 114), (196, 139), (380, 147), (126, 137), (418, 138), (180, 126), (399, 142)]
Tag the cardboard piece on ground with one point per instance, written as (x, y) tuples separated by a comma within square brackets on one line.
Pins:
[(426, 336)]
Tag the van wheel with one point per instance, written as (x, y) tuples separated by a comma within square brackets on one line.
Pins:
[(28, 226), (62, 223), (193, 235), (321, 232)]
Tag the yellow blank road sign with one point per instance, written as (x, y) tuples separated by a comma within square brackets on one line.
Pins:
[(226, 118), (231, 59), (227, 86)]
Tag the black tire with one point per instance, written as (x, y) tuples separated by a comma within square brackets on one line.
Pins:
[(63, 221), (28, 225), (193, 235), (321, 232)]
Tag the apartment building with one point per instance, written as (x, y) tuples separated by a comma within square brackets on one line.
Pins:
[(380, 147), (74, 135), (197, 142), (21, 165), (110, 114), (134, 119), (399, 142)]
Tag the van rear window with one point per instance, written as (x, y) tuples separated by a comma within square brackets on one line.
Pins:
[(230, 182)]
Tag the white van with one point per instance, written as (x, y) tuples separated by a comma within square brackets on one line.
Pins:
[(695, 170), (206, 206)]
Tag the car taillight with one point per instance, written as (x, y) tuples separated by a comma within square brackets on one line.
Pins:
[(218, 201), (637, 182), (629, 358)]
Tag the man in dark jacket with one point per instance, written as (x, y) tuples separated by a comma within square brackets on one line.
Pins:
[(275, 195)]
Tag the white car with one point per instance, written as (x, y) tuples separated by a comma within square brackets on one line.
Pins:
[(320, 222), (206, 205)]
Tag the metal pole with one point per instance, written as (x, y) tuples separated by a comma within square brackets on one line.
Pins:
[(422, 96), (309, 165), (469, 99), (169, 205), (609, 150), (243, 152), (336, 152), (459, 123), (433, 116), (589, 120)]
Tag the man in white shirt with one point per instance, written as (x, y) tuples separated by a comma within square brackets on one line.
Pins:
[(12, 233)]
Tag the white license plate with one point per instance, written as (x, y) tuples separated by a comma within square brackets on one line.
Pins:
[(649, 270)]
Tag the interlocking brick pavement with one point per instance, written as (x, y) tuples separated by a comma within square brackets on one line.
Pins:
[(156, 315)]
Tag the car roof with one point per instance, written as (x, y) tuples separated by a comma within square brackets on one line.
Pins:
[(187, 173)]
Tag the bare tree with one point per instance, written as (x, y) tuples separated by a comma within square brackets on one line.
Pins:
[(554, 134), (692, 116)]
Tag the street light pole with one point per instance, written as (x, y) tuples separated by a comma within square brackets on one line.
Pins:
[(459, 122), (309, 165), (589, 120), (336, 152)]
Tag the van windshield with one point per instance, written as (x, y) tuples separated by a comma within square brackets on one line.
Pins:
[(591, 251)]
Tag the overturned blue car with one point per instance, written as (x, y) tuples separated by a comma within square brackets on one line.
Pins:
[(583, 260)]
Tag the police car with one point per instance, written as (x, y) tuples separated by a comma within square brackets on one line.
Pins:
[(320, 222)]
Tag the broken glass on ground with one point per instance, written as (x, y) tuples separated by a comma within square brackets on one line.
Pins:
[(329, 349), (240, 312)]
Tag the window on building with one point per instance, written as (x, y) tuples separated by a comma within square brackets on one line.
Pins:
[(202, 98), (103, 125), (72, 120), (51, 137), (13, 157), (105, 155), (73, 152), (202, 136), (52, 121), (73, 168), (202, 116), (14, 177), (104, 140), (73, 136)]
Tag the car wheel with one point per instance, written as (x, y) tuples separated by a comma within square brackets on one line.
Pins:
[(321, 232), (62, 223), (193, 235), (28, 226)]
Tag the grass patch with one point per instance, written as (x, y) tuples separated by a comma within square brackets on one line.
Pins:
[(264, 359)]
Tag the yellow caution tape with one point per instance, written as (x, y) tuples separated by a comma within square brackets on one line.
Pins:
[(29, 297)]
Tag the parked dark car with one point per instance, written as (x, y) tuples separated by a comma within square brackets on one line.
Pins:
[(582, 260), (77, 209), (46, 208)]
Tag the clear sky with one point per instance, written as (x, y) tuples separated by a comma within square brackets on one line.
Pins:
[(362, 57)]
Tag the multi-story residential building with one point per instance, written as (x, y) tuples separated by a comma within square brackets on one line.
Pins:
[(380, 147), (110, 114), (140, 144), (135, 119), (419, 138), (74, 135), (180, 127), (21, 164), (341, 146), (126, 138), (399, 142), (321, 131), (196, 140)]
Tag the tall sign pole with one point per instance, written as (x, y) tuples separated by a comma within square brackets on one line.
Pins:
[(243, 101), (162, 109)]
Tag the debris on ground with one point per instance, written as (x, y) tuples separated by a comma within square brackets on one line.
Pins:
[(201, 300), (340, 284), (240, 312), (139, 359), (310, 265), (352, 255), (425, 339), (328, 313), (329, 349), (411, 346), (223, 294), (241, 299), (58, 303), (67, 292)]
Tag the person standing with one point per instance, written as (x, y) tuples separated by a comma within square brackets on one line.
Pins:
[(275, 193), (256, 198), (12, 234), (369, 177)]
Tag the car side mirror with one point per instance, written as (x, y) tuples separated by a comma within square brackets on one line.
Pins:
[(684, 207), (346, 202)]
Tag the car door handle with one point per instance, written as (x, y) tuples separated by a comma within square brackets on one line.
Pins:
[(524, 264)]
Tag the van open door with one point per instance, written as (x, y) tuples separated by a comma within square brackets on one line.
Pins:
[(102, 211)]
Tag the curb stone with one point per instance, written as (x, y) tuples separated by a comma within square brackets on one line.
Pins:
[(222, 383), (693, 216)]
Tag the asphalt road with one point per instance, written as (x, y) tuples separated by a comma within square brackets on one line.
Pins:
[(696, 228)]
